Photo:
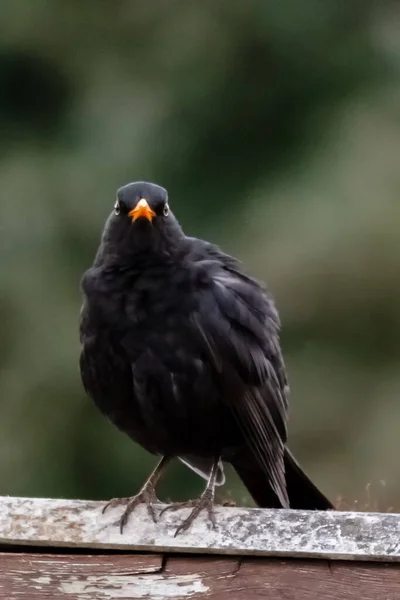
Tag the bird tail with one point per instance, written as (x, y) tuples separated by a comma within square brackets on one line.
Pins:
[(303, 494)]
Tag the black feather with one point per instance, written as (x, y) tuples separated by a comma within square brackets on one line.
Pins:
[(180, 349)]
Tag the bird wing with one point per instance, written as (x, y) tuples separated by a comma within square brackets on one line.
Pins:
[(240, 327)]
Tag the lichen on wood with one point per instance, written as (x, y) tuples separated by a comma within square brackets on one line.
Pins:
[(244, 531)]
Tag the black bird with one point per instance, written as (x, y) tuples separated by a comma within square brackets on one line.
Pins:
[(180, 350)]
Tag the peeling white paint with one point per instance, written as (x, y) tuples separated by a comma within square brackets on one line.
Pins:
[(45, 580), (156, 587)]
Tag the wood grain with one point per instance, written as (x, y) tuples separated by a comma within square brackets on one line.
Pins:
[(105, 577), (240, 531)]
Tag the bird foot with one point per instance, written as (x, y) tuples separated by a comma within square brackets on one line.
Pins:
[(204, 502), (147, 495)]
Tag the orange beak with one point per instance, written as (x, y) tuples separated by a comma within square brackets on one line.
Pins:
[(142, 209)]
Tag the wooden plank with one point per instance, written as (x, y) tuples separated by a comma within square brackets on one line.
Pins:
[(80, 524), (106, 577)]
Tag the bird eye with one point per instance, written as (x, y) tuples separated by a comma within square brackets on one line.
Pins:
[(117, 208), (166, 210)]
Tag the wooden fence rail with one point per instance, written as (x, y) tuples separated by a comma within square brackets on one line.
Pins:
[(68, 549)]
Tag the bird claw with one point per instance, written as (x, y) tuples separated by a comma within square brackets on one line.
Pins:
[(204, 502), (146, 496), (115, 502)]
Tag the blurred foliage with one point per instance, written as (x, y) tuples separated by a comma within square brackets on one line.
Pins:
[(275, 127)]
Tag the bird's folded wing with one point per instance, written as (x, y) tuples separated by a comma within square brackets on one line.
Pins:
[(239, 326)]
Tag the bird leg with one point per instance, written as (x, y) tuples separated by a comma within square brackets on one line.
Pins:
[(205, 501), (147, 494)]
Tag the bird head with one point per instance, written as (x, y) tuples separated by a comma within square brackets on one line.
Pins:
[(141, 221)]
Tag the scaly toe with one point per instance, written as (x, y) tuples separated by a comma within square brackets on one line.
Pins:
[(116, 502), (204, 502), (178, 506), (147, 497)]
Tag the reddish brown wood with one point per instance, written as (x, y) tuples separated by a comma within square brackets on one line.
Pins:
[(34, 576), (97, 577), (274, 579)]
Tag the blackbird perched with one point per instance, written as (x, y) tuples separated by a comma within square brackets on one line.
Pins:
[(180, 350)]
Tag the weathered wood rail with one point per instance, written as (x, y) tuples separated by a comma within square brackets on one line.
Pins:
[(68, 549)]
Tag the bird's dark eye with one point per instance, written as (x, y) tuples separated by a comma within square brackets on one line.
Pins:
[(166, 210), (117, 208)]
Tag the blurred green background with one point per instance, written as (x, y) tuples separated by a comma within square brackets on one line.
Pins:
[(275, 127)]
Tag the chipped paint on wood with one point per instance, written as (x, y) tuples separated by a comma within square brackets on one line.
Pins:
[(42, 580), (328, 534), (33, 576), (156, 587)]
